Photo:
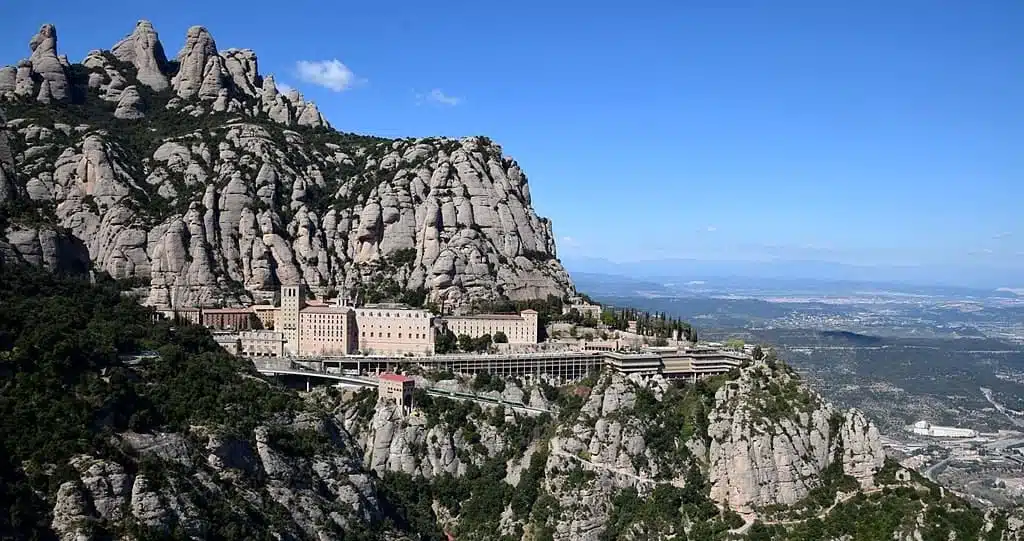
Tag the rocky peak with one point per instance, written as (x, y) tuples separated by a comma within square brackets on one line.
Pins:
[(772, 438), (153, 189), (47, 65), (194, 62), (142, 49), (205, 80)]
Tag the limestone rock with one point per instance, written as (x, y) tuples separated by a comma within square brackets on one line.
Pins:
[(758, 461), (193, 59), (199, 212), (242, 66), (863, 455), (129, 105), (23, 84), (46, 64), (8, 80), (70, 514), (142, 48)]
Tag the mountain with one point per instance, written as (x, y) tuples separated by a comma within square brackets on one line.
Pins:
[(121, 427), (680, 269), (196, 177)]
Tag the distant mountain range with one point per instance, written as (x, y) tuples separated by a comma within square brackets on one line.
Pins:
[(802, 272)]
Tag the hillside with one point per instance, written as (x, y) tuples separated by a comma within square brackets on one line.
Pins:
[(116, 427), (197, 177)]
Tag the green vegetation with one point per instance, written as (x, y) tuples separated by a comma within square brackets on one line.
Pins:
[(64, 388), (668, 424), (656, 325), (669, 510)]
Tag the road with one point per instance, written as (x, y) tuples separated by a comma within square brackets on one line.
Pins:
[(1001, 408)]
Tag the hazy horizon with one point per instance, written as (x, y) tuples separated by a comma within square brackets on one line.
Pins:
[(815, 270)]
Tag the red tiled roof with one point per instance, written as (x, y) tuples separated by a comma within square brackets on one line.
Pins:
[(396, 378)]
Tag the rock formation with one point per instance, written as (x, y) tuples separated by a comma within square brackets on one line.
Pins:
[(143, 50), (323, 495), (769, 441), (759, 458), (227, 209)]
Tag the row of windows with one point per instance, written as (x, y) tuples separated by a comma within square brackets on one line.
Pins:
[(418, 315), (417, 336)]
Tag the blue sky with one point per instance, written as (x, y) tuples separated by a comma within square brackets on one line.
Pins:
[(870, 131)]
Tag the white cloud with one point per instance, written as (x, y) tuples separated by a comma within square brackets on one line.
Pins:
[(330, 74), (569, 242), (439, 97), (711, 229), (284, 88), (1003, 235)]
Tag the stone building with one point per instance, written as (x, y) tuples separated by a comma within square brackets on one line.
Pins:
[(236, 319), (266, 314), (519, 328), (321, 329), (395, 388), (261, 343), (394, 329), (293, 300), (584, 308), (327, 330), (184, 315)]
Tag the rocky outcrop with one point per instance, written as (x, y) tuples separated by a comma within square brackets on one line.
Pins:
[(8, 186), (772, 438), (322, 494), (142, 49), (395, 440), (228, 211), (129, 105), (49, 248), (46, 64)]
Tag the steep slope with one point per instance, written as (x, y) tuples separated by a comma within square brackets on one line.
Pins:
[(117, 427), (198, 176)]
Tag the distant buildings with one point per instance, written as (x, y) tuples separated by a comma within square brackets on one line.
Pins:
[(518, 328), (924, 428), (583, 307)]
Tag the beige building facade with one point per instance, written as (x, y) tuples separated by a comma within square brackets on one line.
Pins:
[(327, 330), (293, 299), (321, 329), (395, 388), (393, 329), (266, 314), (519, 328), (261, 343)]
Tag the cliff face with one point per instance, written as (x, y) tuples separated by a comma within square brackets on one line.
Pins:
[(318, 496), (753, 443), (772, 439), (198, 175)]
